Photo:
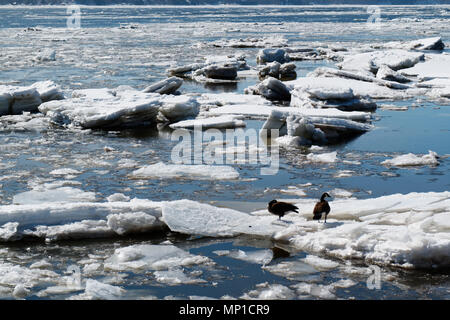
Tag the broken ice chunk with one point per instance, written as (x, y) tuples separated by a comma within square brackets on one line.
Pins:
[(411, 159)]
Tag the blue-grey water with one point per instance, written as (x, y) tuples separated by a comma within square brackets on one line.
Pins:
[(106, 52)]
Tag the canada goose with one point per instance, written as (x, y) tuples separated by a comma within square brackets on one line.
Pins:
[(280, 208), (322, 207)]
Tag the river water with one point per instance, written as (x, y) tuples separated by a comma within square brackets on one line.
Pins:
[(134, 46)]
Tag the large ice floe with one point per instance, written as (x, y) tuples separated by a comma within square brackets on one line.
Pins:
[(121, 107), (434, 43), (251, 42), (152, 257), (409, 231), (15, 100), (58, 220), (395, 59)]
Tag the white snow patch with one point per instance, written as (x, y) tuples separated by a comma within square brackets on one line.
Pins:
[(161, 170), (330, 157), (152, 257), (411, 159), (63, 194), (266, 291)]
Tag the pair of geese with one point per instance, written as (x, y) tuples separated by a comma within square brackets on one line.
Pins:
[(281, 208)]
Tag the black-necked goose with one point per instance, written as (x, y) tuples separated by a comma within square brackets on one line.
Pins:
[(322, 207)]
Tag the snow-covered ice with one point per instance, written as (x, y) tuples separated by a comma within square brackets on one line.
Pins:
[(190, 217), (63, 194), (411, 159), (266, 291), (15, 100), (262, 111), (161, 170), (176, 276), (410, 231), (152, 257), (257, 256), (57, 220), (329, 157), (395, 59), (221, 122), (166, 86), (106, 108)]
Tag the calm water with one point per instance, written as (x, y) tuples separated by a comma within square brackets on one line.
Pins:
[(105, 52)]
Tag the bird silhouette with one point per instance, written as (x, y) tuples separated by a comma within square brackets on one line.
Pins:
[(280, 208)]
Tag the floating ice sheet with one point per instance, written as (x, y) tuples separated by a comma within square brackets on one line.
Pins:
[(410, 230), (161, 170), (221, 122), (410, 159), (63, 194), (190, 217), (15, 100), (152, 257), (107, 108)]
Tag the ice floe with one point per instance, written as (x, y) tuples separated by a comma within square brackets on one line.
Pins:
[(292, 270), (329, 157), (251, 42), (410, 231), (97, 290), (62, 194), (266, 291), (176, 277), (320, 263), (276, 70), (271, 89), (152, 257), (15, 100), (34, 122), (78, 220), (395, 59), (434, 66), (107, 108), (265, 111), (411, 159), (271, 55), (215, 69), (386, 73), (434, 43), (46, 55), (257, 256), (190, 217), (221, 122), (306, 130), (161, 170)]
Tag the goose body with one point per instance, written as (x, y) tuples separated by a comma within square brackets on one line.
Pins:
[(281, 208), (322, 207)]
